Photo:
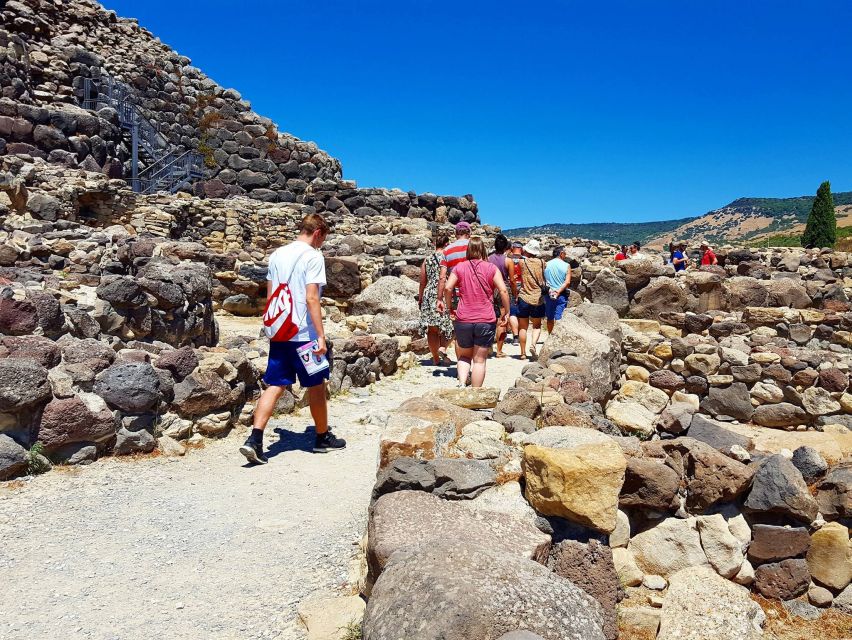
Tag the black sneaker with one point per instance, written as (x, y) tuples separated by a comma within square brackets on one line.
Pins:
[(328, 442), (253, 451)]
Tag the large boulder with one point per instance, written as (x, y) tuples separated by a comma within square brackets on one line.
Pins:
[(68, 420), (660, 296), (201, 393), (23, 384), (710, 476), (41, 349), (393, 303), (783, 580), (589, 565), (459, 590), (132, 387), (733, 401), (17, 317), (830, 556), (404, 520), (580, 483), (773, 543), (343, 276), (669, 546), (701, 605), (778, 488), (610, 290), (649, 484), (574, 336)]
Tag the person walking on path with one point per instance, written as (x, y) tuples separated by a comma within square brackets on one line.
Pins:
[(476, 321), (454, 254), (516, 255), (506, 266), (301, 267), (530, 298), (557, 275), (707, 255), (437, 327)]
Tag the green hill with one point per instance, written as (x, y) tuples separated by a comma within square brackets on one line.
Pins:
[(720, 225), (613, 232)]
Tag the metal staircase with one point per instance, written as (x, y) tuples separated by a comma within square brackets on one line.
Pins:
[(169, 167)]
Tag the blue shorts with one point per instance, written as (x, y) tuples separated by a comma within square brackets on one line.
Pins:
[(526, 310), (284, 367), (553, 309)]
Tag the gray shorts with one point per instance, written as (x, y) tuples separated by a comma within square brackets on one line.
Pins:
[(475, 334)]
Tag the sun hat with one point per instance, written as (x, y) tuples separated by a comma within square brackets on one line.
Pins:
[(533, 247), (462, 226), (704, 244)]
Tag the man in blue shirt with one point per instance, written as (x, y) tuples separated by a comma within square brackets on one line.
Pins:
[(557, 275), (679, 260)]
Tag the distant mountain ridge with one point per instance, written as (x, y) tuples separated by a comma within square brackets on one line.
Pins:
[(739, 222)]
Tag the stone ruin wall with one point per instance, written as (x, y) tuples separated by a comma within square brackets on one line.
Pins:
[(49, 47)]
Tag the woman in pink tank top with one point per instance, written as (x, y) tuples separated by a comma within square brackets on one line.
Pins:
[(475, 321)]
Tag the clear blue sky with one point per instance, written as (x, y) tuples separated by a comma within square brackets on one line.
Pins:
[(545, 111)]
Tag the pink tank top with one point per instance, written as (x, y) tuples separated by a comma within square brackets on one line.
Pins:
[(476, 291)]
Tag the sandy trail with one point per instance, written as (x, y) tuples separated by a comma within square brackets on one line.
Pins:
[(199, 546)]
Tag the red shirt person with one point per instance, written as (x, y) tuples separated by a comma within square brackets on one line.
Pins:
[(707, 255)]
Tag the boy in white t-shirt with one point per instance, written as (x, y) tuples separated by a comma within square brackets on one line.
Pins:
[(302, 267)]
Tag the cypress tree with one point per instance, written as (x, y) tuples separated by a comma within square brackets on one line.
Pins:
[(821, 230)]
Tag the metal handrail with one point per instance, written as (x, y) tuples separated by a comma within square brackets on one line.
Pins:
[(171, 166)]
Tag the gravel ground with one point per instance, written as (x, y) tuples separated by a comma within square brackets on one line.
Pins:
[(199, 546)]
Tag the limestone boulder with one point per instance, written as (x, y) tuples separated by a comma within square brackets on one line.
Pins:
[(669, 546), (574, 336), (610, 290), (830, 556), (494, 593), (392, 301), (723, 550), (700, 605), (660, 296), (580, 484), (469, 397)]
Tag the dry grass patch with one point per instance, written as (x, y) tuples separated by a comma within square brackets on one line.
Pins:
[(783, 625)]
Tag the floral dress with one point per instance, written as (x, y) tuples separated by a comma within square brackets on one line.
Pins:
[(429, 316)]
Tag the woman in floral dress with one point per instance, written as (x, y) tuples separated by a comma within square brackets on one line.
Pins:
[(438, 327)]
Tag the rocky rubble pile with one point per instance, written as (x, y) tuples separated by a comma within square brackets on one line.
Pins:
[(618, 484)]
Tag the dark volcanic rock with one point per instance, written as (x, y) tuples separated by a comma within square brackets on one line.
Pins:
[(23, 384), (733, 401), (13, 458), (711, 477), (715, 434), (17, 317), (778, 488), (834, 492), (649, 484), (133, 387), (589, 565), (810, 463), (181, 362), (783, 580), (42, 350), (772, 543), (201, 393)]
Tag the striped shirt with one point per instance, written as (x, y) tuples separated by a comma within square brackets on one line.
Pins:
[(455, 253)]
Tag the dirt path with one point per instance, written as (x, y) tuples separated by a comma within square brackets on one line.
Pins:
[(199, 546)]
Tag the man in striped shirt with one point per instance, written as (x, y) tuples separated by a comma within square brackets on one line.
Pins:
[(455, 253)]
